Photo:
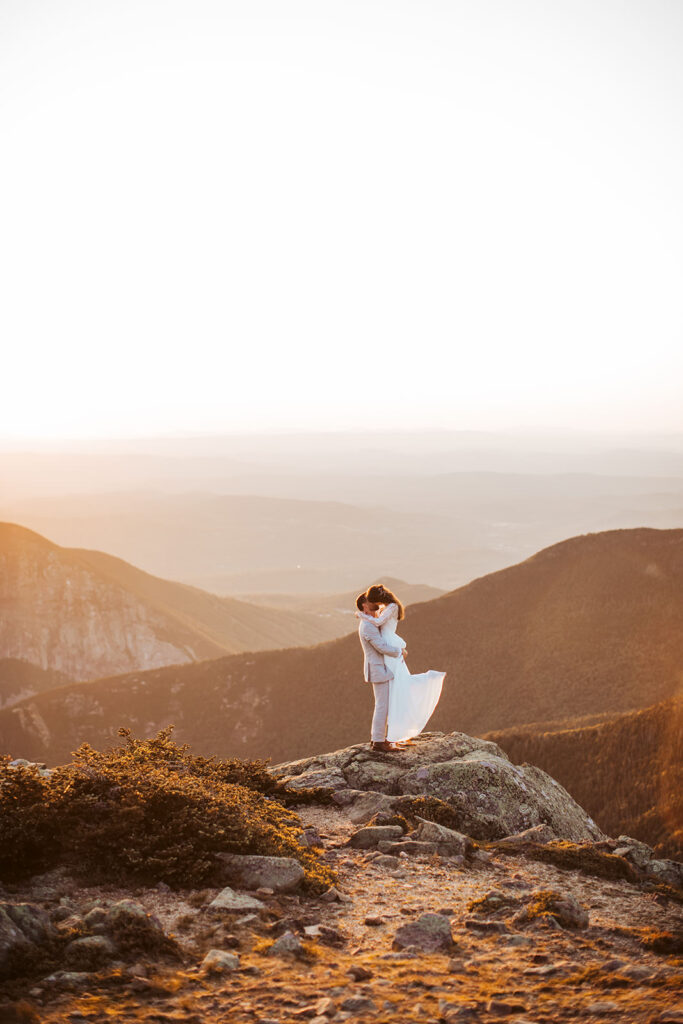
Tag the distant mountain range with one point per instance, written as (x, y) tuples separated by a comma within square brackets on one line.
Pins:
[(589, 626), (299, 525), (88, 614), (626, 771)]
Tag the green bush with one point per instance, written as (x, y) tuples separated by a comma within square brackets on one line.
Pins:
[(148, 811)]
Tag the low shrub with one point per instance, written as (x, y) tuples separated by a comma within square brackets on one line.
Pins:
[(149, 811)]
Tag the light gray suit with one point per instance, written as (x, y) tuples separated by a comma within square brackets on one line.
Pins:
[(376, 672)]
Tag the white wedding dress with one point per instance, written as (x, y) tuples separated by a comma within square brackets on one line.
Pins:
[(412, 698)]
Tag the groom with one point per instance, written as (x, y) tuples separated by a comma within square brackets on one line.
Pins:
[(376, 672)]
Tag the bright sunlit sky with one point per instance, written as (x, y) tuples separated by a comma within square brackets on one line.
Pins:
[(313, 214)]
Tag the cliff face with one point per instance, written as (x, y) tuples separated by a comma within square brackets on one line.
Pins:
[(57, 614)]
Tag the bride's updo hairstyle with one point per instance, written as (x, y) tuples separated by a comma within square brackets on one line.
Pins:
[(380, 595)]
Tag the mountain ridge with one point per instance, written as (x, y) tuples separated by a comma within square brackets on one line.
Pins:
[(588, 626)]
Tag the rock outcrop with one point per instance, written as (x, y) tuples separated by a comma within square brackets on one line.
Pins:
[(491, 798)]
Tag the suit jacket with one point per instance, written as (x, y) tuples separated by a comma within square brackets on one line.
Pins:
[(374, 649)]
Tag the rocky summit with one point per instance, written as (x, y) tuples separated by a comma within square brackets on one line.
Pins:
[(466, 889), (490, 797)]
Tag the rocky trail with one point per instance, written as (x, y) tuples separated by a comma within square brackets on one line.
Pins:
[(428, 927)]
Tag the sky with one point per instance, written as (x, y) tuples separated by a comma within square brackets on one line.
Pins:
[(303, 214)]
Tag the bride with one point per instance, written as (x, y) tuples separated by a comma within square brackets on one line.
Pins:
[(412, 698)]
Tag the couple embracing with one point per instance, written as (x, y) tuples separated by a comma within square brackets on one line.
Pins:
[(403, 702)]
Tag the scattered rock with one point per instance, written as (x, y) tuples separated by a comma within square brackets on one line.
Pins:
[(217, 961), (228, 899), (633, 850), (538, 834), (12, 941), (128, 917), (408, 846), (482, 925), (446, 840), (359, 973), (603, 1007), (333, 895), (372, 835), (366, 805), (68, 979), (506, 1007), (494, 902), (670, 872), (287, 944), (373, 921), (311, 837), (94, 917), (517, 940), (564, 910), (386, 860), (358, 1004), (24, 929), (430, 933), (90, 952), (282, 874), (33, 921)]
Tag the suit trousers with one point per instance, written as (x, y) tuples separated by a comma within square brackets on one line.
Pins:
[(378, 730)]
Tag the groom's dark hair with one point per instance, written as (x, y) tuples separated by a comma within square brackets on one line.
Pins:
[(360, 601)]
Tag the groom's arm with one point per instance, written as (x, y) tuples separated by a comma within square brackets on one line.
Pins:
[(381, 646)]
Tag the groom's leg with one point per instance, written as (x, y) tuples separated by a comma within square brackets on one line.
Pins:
[(379, 719)]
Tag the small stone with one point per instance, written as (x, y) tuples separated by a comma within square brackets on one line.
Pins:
[(333, 895), (637, 973), (228, 899), (385, 860), (91, 951), (613, 965), (429, 933), (373, 921), (68, 979), (372, 835), (217, 961), (504, 1007), (287, 944), (603, 1006), (95, 916), (482, 925), (325, 1006), (282, 874), (359, 973), (517, 940), (538, 834), (126, 914), (358, 1004)]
